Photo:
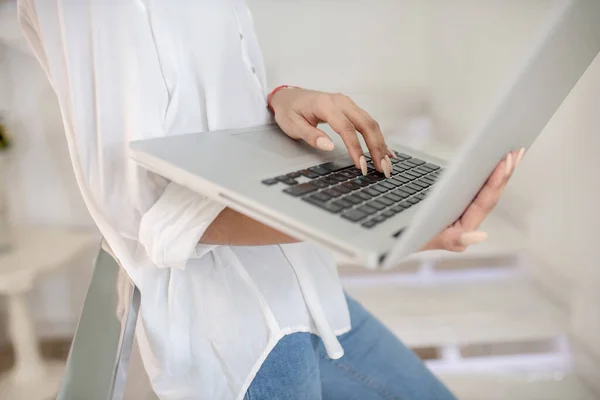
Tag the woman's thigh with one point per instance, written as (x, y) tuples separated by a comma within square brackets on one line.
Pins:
[(290, 372), (376, 365)]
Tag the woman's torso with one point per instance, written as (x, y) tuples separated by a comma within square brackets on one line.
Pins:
[(126, 70)]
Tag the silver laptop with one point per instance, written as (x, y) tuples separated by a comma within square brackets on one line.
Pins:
[(373, 221)]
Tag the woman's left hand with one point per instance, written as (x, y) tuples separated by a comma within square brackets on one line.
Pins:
[(463, 233)]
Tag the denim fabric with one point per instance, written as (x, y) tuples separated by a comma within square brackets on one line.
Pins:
[(376, 365)]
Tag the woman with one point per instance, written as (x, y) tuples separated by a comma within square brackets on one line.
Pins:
[(228, 304)]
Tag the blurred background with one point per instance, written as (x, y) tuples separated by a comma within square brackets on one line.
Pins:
[(514, 318)]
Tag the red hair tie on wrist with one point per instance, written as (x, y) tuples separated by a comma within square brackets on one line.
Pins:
[(277, 89)]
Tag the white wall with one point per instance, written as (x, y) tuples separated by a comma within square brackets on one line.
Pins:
[(373, 51)]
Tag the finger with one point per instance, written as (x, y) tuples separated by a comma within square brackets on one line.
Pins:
[(297, 127), (371, 132), (391, 153), (448, 239), (327, 111), (488, 196), (369, 129)]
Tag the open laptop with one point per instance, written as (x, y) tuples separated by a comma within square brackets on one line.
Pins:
[(373, 221)]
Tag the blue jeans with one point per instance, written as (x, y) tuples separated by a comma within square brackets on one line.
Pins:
[(376, 365)]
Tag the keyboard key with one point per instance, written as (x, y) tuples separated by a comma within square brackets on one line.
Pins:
[(402, 156), (420, 196), (367, 209), (406, 204), (402, 193), (332, 208), (409, 190), (417, 173), (320, 184), (293, 175), (337, 177), (330, 180), (354, 215), (342, 203), (362, 182), (428, 180), (411, 175), (397, 170), (412, 186), (397, 208), (321, 196), (337, 165), (375, 175), (342, 189), (413, 200), (431, 166), (395, 160), (363, 195), (332, 192), (394, 182), (353, 199), (379, 218), (309, 174), (270, 182), (281, 178), (385, 201), (405, 177), (319, 170), (299, 190), (405, 165), (393, 197), (420, 184), (351, 185), (379, 188), (347, 174), (416, 161), (369, 224), (387, 185), (388, 213), (422, 170), (370, 191), (290, 182), (376, 205)]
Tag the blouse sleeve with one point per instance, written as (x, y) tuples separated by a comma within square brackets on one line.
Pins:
[(105, 104)]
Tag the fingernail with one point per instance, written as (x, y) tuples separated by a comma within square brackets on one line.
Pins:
[(392, 154), (509, 167), (471, 238), (386, 166), (324, 143), (363, 165), (520, 156)]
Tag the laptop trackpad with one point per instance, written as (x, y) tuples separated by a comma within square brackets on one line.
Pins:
[(278, 143)]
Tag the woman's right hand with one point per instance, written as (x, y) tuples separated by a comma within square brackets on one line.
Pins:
[(299, 111)]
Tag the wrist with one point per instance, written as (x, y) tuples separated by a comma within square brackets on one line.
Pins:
[(274, 95)]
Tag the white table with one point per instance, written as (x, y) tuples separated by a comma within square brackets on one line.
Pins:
[(35, 252)]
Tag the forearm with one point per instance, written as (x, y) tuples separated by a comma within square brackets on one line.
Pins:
[(231, 228)]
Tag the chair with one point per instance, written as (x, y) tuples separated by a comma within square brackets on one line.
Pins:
[(97, 365)]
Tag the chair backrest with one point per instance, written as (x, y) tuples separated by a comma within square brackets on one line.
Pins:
[(97, 365)]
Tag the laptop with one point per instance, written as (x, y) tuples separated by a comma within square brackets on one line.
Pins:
[(373, 221)]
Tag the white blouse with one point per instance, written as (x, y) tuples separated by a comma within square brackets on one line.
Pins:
[(133, 69)]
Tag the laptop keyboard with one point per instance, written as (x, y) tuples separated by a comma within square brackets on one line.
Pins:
[(338, 187)]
